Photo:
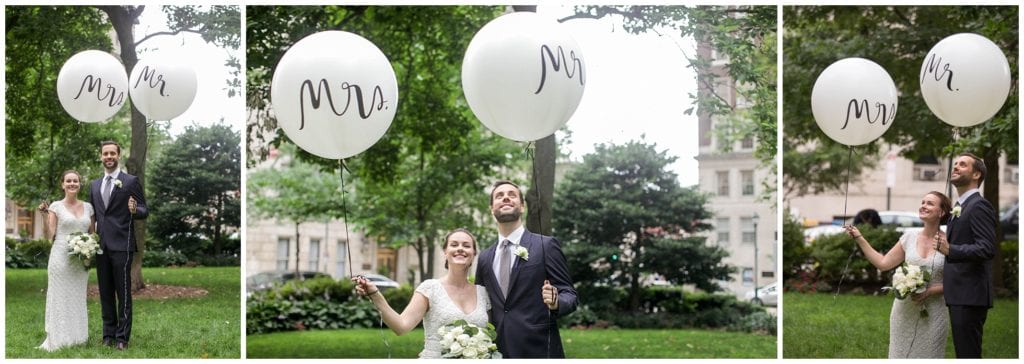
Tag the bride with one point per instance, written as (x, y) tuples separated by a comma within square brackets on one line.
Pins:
[(910, 334), (438, 302), (66, 313)]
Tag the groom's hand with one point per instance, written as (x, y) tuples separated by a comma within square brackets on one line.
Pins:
[(131, 204), (941, 244), (550, 294)]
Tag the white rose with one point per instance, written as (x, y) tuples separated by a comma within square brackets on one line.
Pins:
[(462, 339), (456, 349), (470, 352)]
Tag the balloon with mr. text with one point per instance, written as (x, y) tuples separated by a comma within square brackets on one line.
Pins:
[(523, 76), (92, 86), (854, 101), (965, 79), (161, 88), (334, 94)]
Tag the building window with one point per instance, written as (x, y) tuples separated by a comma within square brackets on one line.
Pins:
[(26, 222), (704, 130), (747, 178), (927, 168), (747, 224), (748, 276), (767, 274), (314, 254), (282, 254), (723, 183), (747, 143), (722, 228)]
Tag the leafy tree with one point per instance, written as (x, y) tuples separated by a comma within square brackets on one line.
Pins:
[(290, 190), (623, 214), (427, 174), (196, 190)]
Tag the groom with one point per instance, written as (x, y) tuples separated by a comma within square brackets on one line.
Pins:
[(118, 200), (967, 276), (516, 273)]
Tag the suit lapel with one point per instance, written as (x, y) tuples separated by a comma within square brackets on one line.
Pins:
[(97, 191), (525, 242)]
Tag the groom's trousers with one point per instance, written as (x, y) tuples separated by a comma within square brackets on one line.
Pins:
[(968, 323), (114, 275)]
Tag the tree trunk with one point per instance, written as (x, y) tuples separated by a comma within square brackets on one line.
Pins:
[(123, 19), (430, 257), (991, 189), (542, 186)]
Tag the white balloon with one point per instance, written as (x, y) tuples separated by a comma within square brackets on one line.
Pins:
[(854, 101), (523, 76), (162, 89), (965, 79), (334, 93), (91, 86)]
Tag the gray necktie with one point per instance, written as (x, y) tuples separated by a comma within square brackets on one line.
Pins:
[(106, 191), (505, 266)]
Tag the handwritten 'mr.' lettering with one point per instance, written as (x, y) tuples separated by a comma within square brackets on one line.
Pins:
[(557, 63), (933, 69), (860, 109), (154, 82)]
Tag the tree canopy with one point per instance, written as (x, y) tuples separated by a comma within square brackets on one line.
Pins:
[(622, 214)]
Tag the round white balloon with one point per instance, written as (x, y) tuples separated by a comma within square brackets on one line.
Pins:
[(523, 76), (854, 101), (162, 89), (965, 79), (92, 86), (334, 93)]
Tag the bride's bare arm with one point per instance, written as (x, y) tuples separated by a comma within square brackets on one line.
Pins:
[(50, 228), (399, 323), (883, 262)]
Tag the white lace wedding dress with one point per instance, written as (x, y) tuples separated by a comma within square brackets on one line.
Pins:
[(66, 314), (443, 311), (910, 335)]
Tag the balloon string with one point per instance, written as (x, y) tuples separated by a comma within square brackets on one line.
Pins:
[(344, 212), (540, 225), (842, 277), (949, 168)]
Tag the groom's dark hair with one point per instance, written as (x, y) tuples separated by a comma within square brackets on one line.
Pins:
[(978, 166), (498, 183), (110, 142)]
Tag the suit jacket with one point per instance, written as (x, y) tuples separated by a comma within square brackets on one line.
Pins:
[(967, 276), (525, 326), (113, 222)]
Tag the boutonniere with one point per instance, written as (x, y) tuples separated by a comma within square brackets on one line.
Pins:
[(956, 211), (522, 252), (117, 183)]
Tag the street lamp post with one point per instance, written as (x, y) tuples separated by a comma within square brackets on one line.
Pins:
[(754, 219)]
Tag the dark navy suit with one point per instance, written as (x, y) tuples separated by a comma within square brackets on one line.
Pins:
[(967, 276), (525, 326), (114, 224)]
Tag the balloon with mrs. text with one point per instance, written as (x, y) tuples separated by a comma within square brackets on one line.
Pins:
[(334, 94), (965, 79), (92, 86), (523, 76), (162, 88), (854, 101)]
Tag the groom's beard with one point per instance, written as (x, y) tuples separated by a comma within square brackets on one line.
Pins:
[(508, 217)]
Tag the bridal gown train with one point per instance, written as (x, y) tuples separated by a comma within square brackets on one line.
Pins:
[(66, 314), (910, 335)]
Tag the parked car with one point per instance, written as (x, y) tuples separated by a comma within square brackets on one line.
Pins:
[(264, 280), (901, 219), (1008, 221), (382, 282), (766, 296)]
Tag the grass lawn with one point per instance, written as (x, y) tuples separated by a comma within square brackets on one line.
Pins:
[(857, 326), (369, 343), (204, 327)]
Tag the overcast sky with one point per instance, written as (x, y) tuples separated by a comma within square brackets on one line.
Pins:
[(211, 103), (636, 85)]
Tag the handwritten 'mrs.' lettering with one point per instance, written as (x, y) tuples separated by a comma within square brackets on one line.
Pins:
[(153, 82), (932, 68), (860, 110), (324, 88), (557, 63), (92, 84)]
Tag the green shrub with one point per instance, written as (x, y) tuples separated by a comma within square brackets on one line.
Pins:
[(795, 254), (316, 304), (225, 260), (163, 258), (760, 322), (831, 253), (27, 253), (1011, 265), (583, 316)]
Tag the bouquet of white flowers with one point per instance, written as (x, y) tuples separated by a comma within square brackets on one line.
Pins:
[(909, 279), (84, 247), (463, 340)]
